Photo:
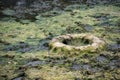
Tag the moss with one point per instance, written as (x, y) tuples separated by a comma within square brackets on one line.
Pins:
[(12, 63), (59, 44), (49, 73)]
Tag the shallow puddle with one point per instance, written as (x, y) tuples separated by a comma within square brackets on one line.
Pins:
[(25, 47), (88, 28), (101, 59), (76, 67), (19, 78), (114, 64), (114, 47), (35, 63)]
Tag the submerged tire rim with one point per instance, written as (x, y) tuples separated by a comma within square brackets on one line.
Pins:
[(57, 43)]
